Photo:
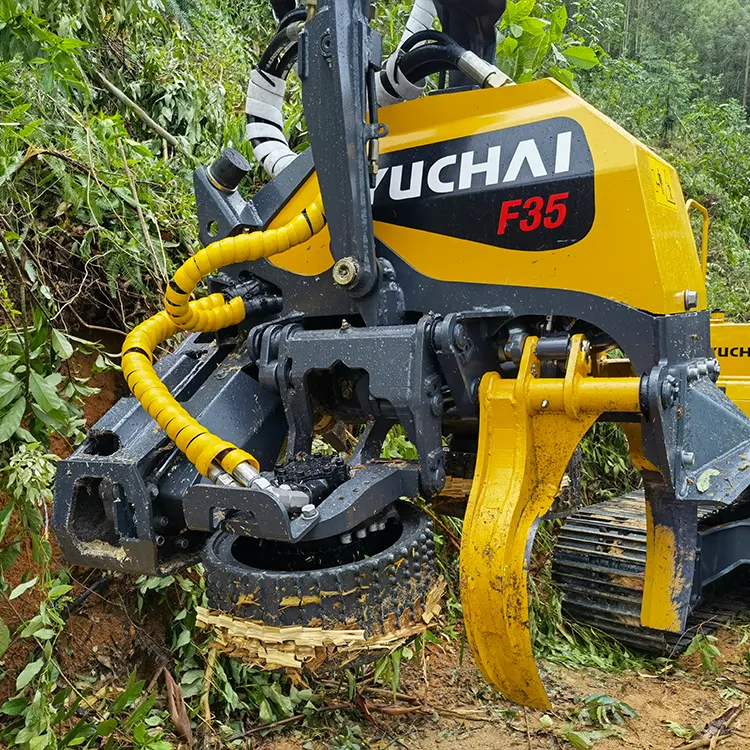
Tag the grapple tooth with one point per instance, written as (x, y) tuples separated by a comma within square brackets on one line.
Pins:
[(528, 432)]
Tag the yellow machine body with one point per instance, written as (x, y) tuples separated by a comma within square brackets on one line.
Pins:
[(456, 199), (639, 239), (731, 345)]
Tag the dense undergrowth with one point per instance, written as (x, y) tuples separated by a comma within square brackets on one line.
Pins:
[(96, 209)]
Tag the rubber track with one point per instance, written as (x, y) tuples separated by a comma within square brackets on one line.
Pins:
[(599, 564)]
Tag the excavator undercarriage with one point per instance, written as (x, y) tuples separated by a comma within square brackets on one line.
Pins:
[(492, 267)]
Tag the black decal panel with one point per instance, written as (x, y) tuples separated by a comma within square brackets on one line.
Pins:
[(529, 187)]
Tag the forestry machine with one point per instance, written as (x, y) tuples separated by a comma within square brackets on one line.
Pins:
[(492, 268)]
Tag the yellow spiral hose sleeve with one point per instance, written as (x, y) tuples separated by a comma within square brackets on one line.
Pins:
[(205, 315), (200, 446), (239, 249)]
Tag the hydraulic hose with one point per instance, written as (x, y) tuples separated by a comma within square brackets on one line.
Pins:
[(202, 448), (207, 452), (239, 249)]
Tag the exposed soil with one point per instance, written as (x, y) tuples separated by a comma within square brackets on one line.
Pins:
[(451, 706), (95, 627), (111, 387), (458, 711)]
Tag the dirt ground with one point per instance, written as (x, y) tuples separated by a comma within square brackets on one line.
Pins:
[(457, 711), (443, 701), (79, 645)]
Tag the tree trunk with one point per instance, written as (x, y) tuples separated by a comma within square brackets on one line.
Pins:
[(747, 78)]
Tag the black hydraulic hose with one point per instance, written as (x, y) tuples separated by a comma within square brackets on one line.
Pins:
[(423, 61), (428, 52), (281, 41), (287, 62), (429, 35), (278, 58)]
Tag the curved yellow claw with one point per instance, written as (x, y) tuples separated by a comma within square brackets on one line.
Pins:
[(529, 429)]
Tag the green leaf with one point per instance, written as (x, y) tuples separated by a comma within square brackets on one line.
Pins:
[(39, 742), (533, 26), (10, 388), (581, 57), (14, 706), (678, 730), (183, 639), (5, 515), (45, 394), (4, 637), (7, 362), (11, 420), (29, 673), (25, 435), (56, 420), (559, 20), (57, 591), (283, 702), (396, 674), (9, 555), (61, 344), (106, 727), (266, 715), (35, 624), (578, 740), (192, 676), (22, 588), (704, 480), (44, 634), (566, 78), (133, 690)]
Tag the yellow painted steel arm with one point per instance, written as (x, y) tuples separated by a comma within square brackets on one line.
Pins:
[(529, 429)]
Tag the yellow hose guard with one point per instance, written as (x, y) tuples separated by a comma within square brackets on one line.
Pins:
[(204, 449)]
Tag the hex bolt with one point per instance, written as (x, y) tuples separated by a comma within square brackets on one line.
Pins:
[(693, 373), (460, 337), (345, 272), (153, 490), (161, 521), (382, 525), (159, 540), (691, 299), (182, 542), (372, 528), (345, 539), (688, 458), (309, 512), (670, 391), (436, 404), (361, 533)]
